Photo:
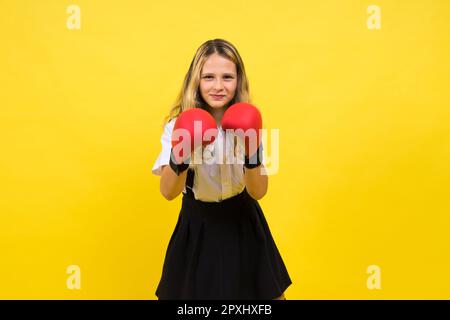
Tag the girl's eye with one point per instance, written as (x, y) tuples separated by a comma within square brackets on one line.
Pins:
[(210, 77)]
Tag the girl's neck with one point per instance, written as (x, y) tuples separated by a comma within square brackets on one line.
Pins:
[(217, 113)]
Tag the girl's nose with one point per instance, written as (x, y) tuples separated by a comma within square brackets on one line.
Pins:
[(218, 84)]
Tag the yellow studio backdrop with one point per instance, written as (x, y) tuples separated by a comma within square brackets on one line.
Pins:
[(359, 207)]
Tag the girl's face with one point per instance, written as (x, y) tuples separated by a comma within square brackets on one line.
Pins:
[(218, 81)]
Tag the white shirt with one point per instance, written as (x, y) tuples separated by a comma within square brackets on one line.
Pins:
[(219, 177)]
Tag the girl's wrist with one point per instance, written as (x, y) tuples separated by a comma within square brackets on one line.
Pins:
[(178, 168), (254, 161)]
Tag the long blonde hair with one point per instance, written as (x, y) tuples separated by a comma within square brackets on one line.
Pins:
[(189, 95)]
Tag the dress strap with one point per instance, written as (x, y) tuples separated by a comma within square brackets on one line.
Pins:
[(190, 182)]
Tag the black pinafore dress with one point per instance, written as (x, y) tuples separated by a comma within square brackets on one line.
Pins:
[(221, 250)]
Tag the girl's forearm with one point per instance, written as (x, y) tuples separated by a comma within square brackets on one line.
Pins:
[(256, 182), (171, 185)]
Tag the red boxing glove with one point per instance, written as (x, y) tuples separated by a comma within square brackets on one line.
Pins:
[(246, 120), (193, 128)]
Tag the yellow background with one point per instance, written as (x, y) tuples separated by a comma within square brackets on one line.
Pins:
[(364, 120)]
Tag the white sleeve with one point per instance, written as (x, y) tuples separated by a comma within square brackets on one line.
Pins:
[(164, 156)]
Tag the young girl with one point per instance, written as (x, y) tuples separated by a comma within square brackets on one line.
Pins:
[(221, 247)]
